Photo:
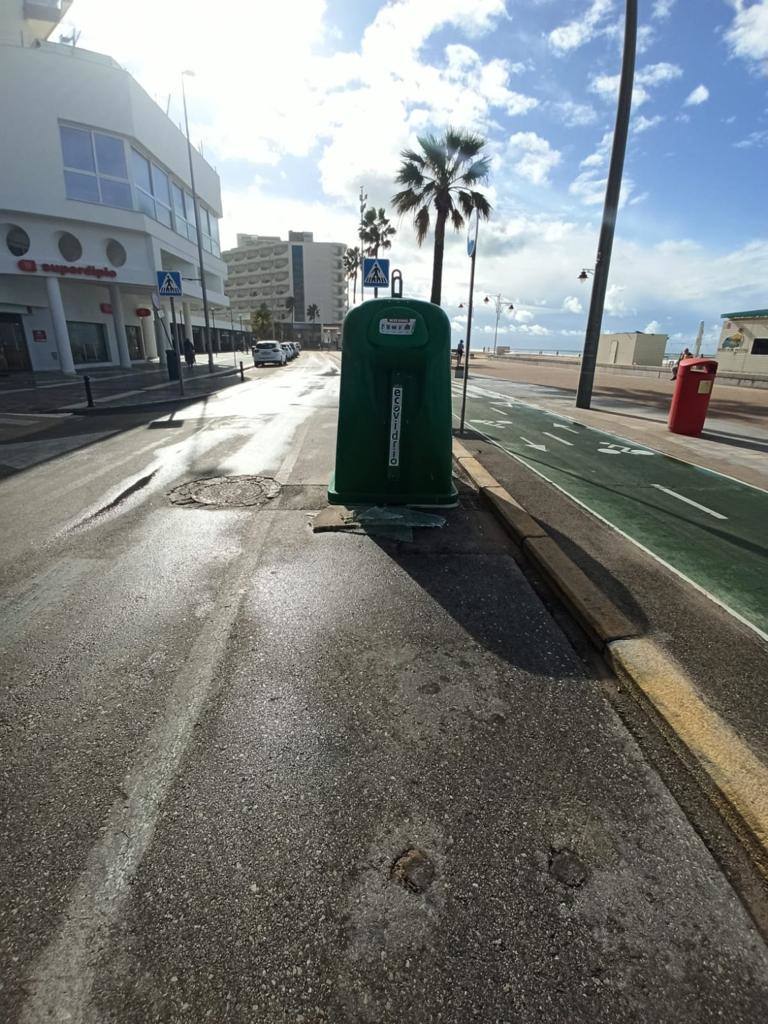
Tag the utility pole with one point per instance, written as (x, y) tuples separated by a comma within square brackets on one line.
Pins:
[(198, 227), (472, 248), (610, 210), (499, 303), (363, 201)]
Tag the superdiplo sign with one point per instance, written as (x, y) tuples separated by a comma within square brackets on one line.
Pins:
[(66, 269)]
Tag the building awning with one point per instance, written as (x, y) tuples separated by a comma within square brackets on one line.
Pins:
[(750, 314)]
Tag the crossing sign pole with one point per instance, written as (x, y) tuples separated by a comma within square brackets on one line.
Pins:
[(176, 348)]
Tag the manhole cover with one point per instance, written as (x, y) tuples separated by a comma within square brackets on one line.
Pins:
[(226, 491), (414, 870)]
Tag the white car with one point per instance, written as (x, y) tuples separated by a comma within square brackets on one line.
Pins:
[(268, 353)]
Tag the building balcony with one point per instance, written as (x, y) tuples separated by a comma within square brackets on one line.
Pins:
[(50, 11)]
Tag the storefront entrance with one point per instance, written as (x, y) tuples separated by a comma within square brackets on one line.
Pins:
[(13, 344)]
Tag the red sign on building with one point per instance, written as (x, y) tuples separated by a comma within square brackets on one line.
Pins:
[(39, 335)]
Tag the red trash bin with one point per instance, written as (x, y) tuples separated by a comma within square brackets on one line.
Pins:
[(693, 390)]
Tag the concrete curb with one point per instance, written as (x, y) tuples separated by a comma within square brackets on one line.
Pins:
[(737, 781)]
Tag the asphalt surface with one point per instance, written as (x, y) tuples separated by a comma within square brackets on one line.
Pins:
[(222, 732), (708, 527)]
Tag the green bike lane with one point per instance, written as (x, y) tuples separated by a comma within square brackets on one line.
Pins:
[(709, 528)]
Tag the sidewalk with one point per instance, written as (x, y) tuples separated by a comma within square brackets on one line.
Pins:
[(49, 393)]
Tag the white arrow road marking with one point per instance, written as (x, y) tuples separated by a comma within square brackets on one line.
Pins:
[(621, 449), (689, 501), (562, 426), (556, 438), (530, 444)]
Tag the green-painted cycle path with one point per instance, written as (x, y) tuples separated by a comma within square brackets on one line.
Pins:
[(710, 528)]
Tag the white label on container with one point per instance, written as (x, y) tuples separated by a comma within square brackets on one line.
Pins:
[(397, 325), (705, 387), (395, 425)]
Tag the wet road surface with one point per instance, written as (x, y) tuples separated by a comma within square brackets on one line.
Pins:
[(221, 735)]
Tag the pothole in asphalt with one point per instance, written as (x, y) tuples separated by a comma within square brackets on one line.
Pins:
[(567, 868), (413, 870), (226, 492)]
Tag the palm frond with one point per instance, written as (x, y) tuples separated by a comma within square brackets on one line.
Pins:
[(406, 200), (457, 219), (410, 174), (482, 204), (478, 171), (421, 223)]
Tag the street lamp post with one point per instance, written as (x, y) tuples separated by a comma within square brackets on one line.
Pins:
[(500, 304), (198, 227), (610, 211)]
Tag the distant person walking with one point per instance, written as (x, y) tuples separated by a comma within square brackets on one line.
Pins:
[(189, 353), (685, 354), (459, 353)]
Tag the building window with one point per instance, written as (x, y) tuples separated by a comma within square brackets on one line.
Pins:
[(116, 253), (95, 170), (760, 347), (89, 342), (17, 240), (135, 341), (70, 247)]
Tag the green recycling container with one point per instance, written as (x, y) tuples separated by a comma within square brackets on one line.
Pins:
[(394, 439)]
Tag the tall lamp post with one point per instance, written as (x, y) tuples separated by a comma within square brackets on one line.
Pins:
[(610, 211), (198, 226), (500, 304)]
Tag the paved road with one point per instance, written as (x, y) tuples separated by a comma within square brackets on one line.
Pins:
[(254, 774), (707, 527)]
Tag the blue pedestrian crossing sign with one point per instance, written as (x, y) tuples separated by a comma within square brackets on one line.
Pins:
[(375, 272), (169, 283)]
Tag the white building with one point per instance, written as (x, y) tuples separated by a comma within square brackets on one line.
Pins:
[(265, 269), (95, 198), (743, 343), (632, 348)]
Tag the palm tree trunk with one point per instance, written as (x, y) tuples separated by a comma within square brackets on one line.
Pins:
[(437, 263), (354, 288)]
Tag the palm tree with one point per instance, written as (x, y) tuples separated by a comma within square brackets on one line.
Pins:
[(290, 306), (443, 175), (261, 321), (376, 231), (313, 313), (351, 266)]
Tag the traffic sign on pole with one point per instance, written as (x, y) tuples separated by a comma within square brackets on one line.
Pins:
[(375, 272), (169, 283)]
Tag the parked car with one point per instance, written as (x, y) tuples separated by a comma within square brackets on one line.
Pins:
[(289, 353), (269, 353)]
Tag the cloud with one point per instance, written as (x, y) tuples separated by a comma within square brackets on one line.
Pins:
[(523, 316), (577, 33), (699, 95), (534, 156), (748, 35), (574, 115), (654, 327), (646, 79), (643, 123), (753, 140), (662, 9), (572, 305), (615, 301)]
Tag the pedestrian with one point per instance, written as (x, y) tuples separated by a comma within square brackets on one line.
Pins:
[(459, 353), (685, 354), (189, 353)]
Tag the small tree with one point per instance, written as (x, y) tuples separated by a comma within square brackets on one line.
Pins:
[(290, 307), (313, 313), (376, 231), (351, 267), (261, 321)]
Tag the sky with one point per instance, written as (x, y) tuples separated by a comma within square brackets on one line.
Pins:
[(299, 103)]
